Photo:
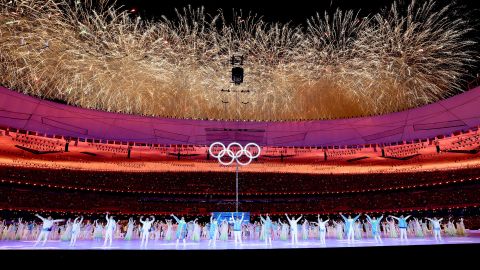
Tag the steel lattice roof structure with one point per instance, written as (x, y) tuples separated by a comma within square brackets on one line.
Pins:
[(458, 113)]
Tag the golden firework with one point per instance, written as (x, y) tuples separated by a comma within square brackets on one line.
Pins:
[(339, 65)]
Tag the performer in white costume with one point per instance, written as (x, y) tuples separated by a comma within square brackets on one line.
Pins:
[(147, 225), (294, 228), (321, 229), (46, 228), (76, 230), (109, 228)]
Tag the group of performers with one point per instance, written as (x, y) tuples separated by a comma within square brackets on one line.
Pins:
[(221, 229)]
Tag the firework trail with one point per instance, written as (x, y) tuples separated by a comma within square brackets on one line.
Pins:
[(339, 65)]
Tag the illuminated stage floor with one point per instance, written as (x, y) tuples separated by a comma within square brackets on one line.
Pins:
[(229, 245)]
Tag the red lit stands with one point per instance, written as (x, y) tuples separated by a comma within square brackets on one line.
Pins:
[(51, 199), (223, 183), (30, 181)]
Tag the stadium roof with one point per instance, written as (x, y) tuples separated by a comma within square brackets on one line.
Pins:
[(461, 112)]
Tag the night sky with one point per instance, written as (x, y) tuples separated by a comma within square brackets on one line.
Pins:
[(296, 11)]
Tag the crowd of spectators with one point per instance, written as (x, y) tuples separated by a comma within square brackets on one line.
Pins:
[(41, 198), (224, 182)]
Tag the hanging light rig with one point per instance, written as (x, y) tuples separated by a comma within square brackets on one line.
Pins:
[(237, 69), (236, 61)]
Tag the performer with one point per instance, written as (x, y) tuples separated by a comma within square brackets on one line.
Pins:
[(128, 235), (189, 230), (168, 233), (97, 231), (321, 229), (213, 232), (196, 231), (31, 226), (284, 233), (87, 231), (237, 229), (450, 228), (357, 228), (461, 228), (181, 229), (75, 230), (436, 228), (425, 228), (375, 223), (118, 230), (20, 229), (402, 225), (384, 227), (147, 225), (224, 230), (109, 228), (294, 228), (339, 229), (349, 227), (157, 227), (418, 228), (305, 229), (46, 228), (66, 231), (267, 227)]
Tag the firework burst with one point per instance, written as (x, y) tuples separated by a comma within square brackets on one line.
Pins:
[(339, 65)]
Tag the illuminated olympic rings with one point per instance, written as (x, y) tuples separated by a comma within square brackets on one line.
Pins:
[(234, 156)]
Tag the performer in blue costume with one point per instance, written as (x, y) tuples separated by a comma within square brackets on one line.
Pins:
[(375, 223), (237, 229), (436, 228), (213, 232), (402, 225), (181, 229), (267, 232), (349, 227)]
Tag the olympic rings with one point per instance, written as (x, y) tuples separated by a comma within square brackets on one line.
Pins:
[(235, 156)]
